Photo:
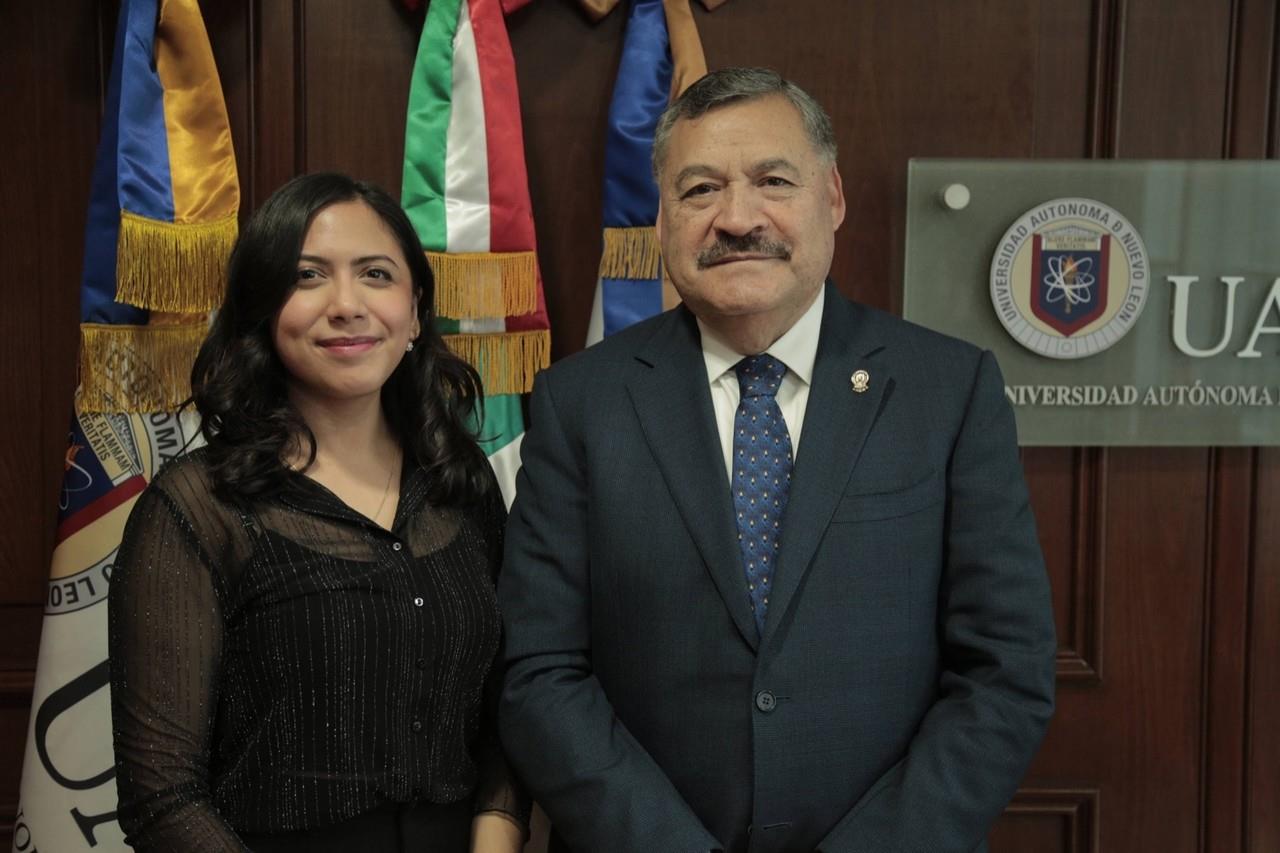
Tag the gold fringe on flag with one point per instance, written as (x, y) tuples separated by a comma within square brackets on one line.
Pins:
[(137, 368), (173, 266), (506, 361), (474, 285), (630, 253)]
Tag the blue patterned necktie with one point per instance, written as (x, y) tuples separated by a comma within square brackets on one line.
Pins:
[(761, 474)]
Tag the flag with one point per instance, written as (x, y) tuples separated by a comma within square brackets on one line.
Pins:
[(466, 191), (661, 57), (162, 218)]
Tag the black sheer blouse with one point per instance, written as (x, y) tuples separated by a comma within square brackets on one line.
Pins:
[(293, 664)]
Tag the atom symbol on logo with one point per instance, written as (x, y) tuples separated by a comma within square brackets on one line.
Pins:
[(1069, 279)]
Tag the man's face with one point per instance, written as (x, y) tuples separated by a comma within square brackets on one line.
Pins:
[(747, 213)]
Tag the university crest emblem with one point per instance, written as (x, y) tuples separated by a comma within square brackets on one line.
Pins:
[(1069, 278)]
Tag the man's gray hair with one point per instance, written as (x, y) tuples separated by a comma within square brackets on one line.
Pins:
[(730, 85)]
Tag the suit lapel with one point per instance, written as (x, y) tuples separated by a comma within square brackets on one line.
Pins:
[(836, 423), (672, 400)]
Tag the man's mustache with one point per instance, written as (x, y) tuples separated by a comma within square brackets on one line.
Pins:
[(746, 244)]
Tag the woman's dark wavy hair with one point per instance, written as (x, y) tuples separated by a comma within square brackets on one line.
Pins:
[(238, 382)]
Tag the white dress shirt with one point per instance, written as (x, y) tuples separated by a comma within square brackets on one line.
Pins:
[(797, 349)]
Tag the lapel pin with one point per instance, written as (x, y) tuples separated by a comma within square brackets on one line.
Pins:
[(861, 381)]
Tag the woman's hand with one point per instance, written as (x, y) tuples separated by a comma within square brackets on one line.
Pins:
[(494, 832)]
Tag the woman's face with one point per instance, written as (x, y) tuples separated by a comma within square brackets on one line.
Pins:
[(352, 310)]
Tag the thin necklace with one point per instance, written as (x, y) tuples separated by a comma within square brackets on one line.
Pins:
[(386, 490)]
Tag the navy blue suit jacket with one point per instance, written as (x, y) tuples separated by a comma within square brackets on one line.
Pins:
[(905, 675)]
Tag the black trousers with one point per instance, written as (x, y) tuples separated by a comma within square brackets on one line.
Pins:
[(392, 828)]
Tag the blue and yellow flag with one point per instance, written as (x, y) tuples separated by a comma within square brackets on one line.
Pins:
[(161, 221), (162, 213), (661, 57)]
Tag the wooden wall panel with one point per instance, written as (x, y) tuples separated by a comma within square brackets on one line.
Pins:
[(1225, 643), (1150, 699), (1048, 820), (41, 224), (356, 61), (1262, 737), (43, 192), (1167, 587), (1106, 61), (1252, 87), (13, 736), (1178, 69), (1229, 789), (1064, 47), (1134, 733), (1175, 70), (277, 96), (1067, 492), (1256, 122)]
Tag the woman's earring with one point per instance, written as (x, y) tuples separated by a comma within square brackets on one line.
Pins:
[(408, 347)]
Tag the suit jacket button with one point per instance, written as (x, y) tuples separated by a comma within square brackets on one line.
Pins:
[(766, 701)]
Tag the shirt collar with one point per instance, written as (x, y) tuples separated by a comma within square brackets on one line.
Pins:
[(797, 348), (305, 494)]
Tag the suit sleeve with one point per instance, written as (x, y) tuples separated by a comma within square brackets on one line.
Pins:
[(995, 692), (600, 788)]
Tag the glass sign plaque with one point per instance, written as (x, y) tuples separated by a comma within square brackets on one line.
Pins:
[(1128, 302)]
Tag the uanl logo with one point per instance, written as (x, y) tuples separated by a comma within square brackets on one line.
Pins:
[(109, 461), (1069, 278)]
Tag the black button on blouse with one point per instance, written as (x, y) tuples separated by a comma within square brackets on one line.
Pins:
[(292, 664)]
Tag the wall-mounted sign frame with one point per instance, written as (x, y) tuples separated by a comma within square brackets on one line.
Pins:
[(1129, 302)]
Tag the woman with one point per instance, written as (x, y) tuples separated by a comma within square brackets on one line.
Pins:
[(303, 627)]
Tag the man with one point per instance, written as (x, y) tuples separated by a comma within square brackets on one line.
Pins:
[(711, 647)]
